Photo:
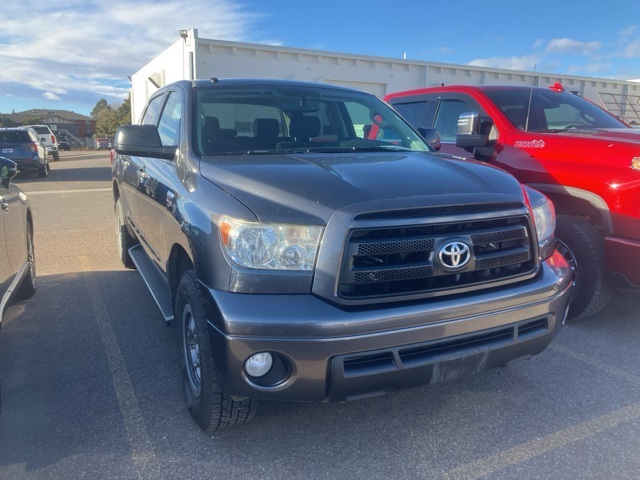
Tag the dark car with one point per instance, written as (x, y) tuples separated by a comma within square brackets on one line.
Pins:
[(63, 143), (17, 261), (21, 144)]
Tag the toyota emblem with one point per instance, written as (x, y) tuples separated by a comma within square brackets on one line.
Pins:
[(454, 255)]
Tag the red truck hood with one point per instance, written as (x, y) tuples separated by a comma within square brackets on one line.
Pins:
[(631, 135)]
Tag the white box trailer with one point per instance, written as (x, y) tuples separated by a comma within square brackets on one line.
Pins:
[(191, 57)]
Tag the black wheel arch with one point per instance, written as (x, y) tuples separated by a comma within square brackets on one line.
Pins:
[(578, 203)]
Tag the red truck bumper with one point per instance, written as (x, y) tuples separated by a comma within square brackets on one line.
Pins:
[(623, 260)]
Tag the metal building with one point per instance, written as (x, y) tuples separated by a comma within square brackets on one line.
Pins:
[(192, 57)]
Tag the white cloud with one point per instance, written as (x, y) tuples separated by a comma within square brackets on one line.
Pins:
[(632, 50), (50, 96), (86, 48), (568, 45), (526, 62), (629, 31)]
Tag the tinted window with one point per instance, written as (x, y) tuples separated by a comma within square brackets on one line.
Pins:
[(169, 126), (414, 112), (446, 121), (150, 116), (543, 110), (251, 119), (15, 136)]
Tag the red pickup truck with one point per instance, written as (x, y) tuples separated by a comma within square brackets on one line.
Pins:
[(582, 157)]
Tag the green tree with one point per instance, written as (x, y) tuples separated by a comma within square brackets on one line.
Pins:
[(109, 118), (32, 119), (5, 121), (123, 112), (101, 105)]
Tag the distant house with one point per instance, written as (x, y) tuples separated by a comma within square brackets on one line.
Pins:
[(77, 126)]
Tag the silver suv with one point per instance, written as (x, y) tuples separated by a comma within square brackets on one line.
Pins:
[(51, 143)]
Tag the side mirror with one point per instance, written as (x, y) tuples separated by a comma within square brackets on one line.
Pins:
[(431, 136), (8, 170), (142, 141), (473, 130)]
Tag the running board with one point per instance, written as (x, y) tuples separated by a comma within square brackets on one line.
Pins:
[(155, 281)]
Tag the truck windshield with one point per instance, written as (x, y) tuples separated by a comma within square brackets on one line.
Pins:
[(279, 119), (542, 110)]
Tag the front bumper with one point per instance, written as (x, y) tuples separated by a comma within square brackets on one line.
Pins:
[(331, 354)]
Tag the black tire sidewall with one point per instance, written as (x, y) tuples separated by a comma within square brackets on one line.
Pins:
[(201, 405), (124, 239), (591, 291), (28, 286)]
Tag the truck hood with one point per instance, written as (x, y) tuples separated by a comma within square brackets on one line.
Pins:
[(630, 135), (277, 187)]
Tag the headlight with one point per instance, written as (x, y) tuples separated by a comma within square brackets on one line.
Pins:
[(270, 246), (544, 216), (635, 163)]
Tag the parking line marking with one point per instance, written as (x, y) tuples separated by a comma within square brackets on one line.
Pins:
[(616, 372), (143, 455), (540, 446)]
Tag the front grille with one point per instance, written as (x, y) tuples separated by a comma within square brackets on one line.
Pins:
[(392, 261)]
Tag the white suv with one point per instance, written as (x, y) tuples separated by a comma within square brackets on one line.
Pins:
[(49, 139)]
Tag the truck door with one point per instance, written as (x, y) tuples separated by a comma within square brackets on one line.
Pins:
[(156, 192), (133, 175)]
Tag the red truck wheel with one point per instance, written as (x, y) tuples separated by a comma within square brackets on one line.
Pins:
[(583, 247)]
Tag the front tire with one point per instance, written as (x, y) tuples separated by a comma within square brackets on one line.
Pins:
[(208, 405), (124, 239), (583, 247)]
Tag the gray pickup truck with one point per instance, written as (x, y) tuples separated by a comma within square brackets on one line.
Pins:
[(309, 246)]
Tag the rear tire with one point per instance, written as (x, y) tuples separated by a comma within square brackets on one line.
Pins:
[(208, 405), (583, 247), (56, 156), (28, 286), (124, 239)]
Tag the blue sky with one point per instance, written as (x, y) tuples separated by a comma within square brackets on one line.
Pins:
[(71, 56)]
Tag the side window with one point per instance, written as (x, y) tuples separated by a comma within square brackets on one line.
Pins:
[(446, 121), (413, 112), (360, 118), (150, 116), (169, 125)]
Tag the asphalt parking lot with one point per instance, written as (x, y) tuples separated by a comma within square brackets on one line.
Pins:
[(90, 388)]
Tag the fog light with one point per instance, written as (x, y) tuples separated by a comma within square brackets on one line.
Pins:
[(259, 364)]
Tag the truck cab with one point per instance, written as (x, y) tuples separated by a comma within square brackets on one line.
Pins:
[(579, 155)]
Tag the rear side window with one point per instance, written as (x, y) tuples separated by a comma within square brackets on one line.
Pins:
[(413, 112), (15, 137)]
